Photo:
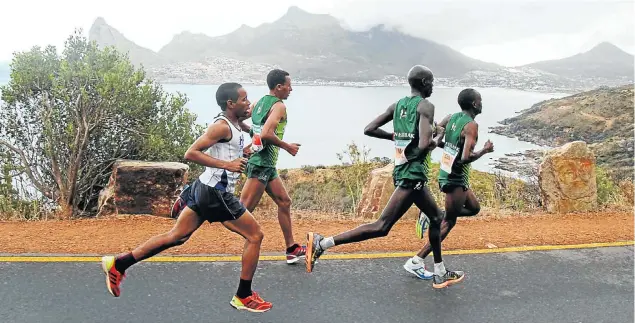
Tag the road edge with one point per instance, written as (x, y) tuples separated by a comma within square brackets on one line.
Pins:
[(343, 256)]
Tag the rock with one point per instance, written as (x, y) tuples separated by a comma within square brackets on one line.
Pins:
[(567, 179), (376, 193), (137, 187)]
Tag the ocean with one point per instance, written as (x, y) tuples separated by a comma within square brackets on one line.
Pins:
[(324, 120)]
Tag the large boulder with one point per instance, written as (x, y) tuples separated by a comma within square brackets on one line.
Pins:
[(376, 193), (138, 187), (567, 179)]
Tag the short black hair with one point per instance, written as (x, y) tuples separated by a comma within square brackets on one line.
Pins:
[(276, 77), (467, 98), (227, 91)]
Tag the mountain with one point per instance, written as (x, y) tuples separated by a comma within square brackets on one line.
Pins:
[(105, 35), (310, 46), (603, 61), (603, 118), (316, 49)]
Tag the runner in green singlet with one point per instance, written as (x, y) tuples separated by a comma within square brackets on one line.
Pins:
[(412, 118), (269, 120), (461, 134)]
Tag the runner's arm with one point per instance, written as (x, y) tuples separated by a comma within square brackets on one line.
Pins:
[(245, 127), (470, 132), (275, 115), (440, 136), (373, 128), (214, 133), (426, 115)]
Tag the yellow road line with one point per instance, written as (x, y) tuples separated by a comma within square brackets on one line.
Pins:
[(326, 256)]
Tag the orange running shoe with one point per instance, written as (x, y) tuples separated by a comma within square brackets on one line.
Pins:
[(253, 303), (113, 277)]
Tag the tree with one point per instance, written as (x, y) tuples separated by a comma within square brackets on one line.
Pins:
[(67, 118), (356, 171)]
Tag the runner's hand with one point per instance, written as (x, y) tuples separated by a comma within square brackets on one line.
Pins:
[(488, 147), (237, 165), (293, 149), (247, 151)]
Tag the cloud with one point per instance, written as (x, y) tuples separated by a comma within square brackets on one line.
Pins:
[(492, 30)]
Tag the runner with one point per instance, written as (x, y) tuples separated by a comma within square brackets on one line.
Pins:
[(461, 134), (412, 118), (269, 120), (210, 198)]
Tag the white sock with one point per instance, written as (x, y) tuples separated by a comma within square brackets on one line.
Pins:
[(439, 269), (327, 243), (417, 260)]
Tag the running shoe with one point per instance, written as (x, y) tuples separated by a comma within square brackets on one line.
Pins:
[(423, 223), (180, 202), (417, 269), (450, 278), (313, 250), (113, 276), (253, 303), (296, 254)]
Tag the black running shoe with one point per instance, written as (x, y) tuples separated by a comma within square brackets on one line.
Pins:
[(313, 250), (450, 278)]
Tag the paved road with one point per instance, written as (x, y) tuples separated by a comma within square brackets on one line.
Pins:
[(590, 285)]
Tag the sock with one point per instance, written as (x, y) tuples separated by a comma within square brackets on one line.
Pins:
[(124, 262), (417, 260), (327, 243), (292, 248), (439, 269), (244, 288)]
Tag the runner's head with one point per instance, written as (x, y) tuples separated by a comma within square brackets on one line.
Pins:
[(420, 78), (279, 83), (470, 100), (232, 98)]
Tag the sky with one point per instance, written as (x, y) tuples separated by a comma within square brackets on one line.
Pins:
[(508, 32)]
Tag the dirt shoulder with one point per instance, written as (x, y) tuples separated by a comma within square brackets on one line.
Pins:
[(114, 235)]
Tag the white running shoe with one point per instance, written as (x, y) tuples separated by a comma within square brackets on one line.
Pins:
[(417, 269)]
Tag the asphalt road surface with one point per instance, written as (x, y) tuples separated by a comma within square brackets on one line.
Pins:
[(583, 285)]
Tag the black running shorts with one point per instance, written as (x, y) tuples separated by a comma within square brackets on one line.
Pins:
[(214, 205)]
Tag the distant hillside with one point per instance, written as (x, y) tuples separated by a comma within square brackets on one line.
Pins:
[(311, 46), (317, 50), (105, 35), (603, 118), (604, 60)]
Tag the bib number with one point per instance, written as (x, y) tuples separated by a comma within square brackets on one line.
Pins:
[(400, 151), (447, 159), (256, 142)]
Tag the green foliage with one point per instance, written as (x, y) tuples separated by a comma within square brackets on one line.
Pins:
[(608, 192), (13, 190), (341, 191), (309, 169), (327, 196), (67, 118), (283, 173), (355, 175)]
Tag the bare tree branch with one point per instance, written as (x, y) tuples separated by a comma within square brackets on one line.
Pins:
[(27, 169)]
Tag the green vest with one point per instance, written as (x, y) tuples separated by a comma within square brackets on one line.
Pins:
[(406, 128), (265, 155), (451, 171)]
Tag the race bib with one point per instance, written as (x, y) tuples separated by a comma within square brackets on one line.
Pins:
[(256, 141), (447, 159), (400, 151)]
